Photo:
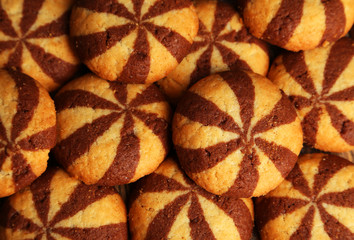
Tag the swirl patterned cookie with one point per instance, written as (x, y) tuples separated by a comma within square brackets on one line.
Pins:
[(133, 41), (27, 130), (299, 24), (320, 84), (236, 134), (111, 133), (57, 206), (314, 202), (34, 40), (168, 205)]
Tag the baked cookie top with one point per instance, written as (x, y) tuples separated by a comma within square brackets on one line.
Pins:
[(34, 40), (314, 202), (133, 41), (320, 84), (27, 130), (236, 134), (168, 205)]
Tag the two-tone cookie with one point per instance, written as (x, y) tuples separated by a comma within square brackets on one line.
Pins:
[(236, 134), (299, 24), (222, 43), (111, 133), (168, 205), (316, 201), (57, 206), (27, 130), (133, 41), (34, 40), (320, 84)]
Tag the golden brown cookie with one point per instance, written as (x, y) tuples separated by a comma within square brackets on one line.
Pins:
[(133, 41), (27, 130), (320, 84), (34, 40), (168, 205), (316, 201), (222, 43), (299, 24), (111, 133), (57, 206), (236, 134)]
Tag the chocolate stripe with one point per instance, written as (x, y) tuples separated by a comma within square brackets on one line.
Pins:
[(150, 95), (2, 157), (223, 14), (81, 98), (310, 125), (16, 221), (124, 165), (198, 45), (201, 159), (344, 95), (200, 229), (230, 58), (299, 182), (113, 231), (138, 65), (335, 20), (205, 112), (284, 23), (341, 123), (30, 11), (83, 138), (161, 225), (161, 7), (92, 45), (203, 65), (120, 91), (45, 139), (300, 102), (305, 228), (340, 199), (175, 43), (3, 136), (5, 45), (6, 24), (282, 157), (22, 173), (15, 59), (137, 5)]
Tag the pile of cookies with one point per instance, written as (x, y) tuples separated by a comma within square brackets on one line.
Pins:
[(194, 107)]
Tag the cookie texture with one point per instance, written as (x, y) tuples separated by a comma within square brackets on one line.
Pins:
[(320, 84), (314, 202), (236, 134), (168, 205), (133, 41), (299, 24), (34, 40), (27, 130), (222, 43), (111, 133), (57, 206)]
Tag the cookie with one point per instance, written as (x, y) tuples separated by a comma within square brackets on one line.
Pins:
[(168, 205), (236, 134), (57, 206), (111, 133), (34, 40), (319, 83), (133, 41), (299, 25), (222, 43), (27, 130), (314, 202)]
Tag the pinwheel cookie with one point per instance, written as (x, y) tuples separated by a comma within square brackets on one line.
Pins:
[(111, 133), (222, 43), (57, 206), (299, 25), (168, 205), (314, 202), (133, 41), (236, 134), (27, 130), (34, 40), (320, 84)]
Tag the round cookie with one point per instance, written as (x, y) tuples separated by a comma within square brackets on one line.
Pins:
[(57, 206), (111, 133), (27, 130), (222, 43), (168, 205), (133, 41), (236, 134), (299, 25), (34, 40), (320, 84), (314, 202)]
